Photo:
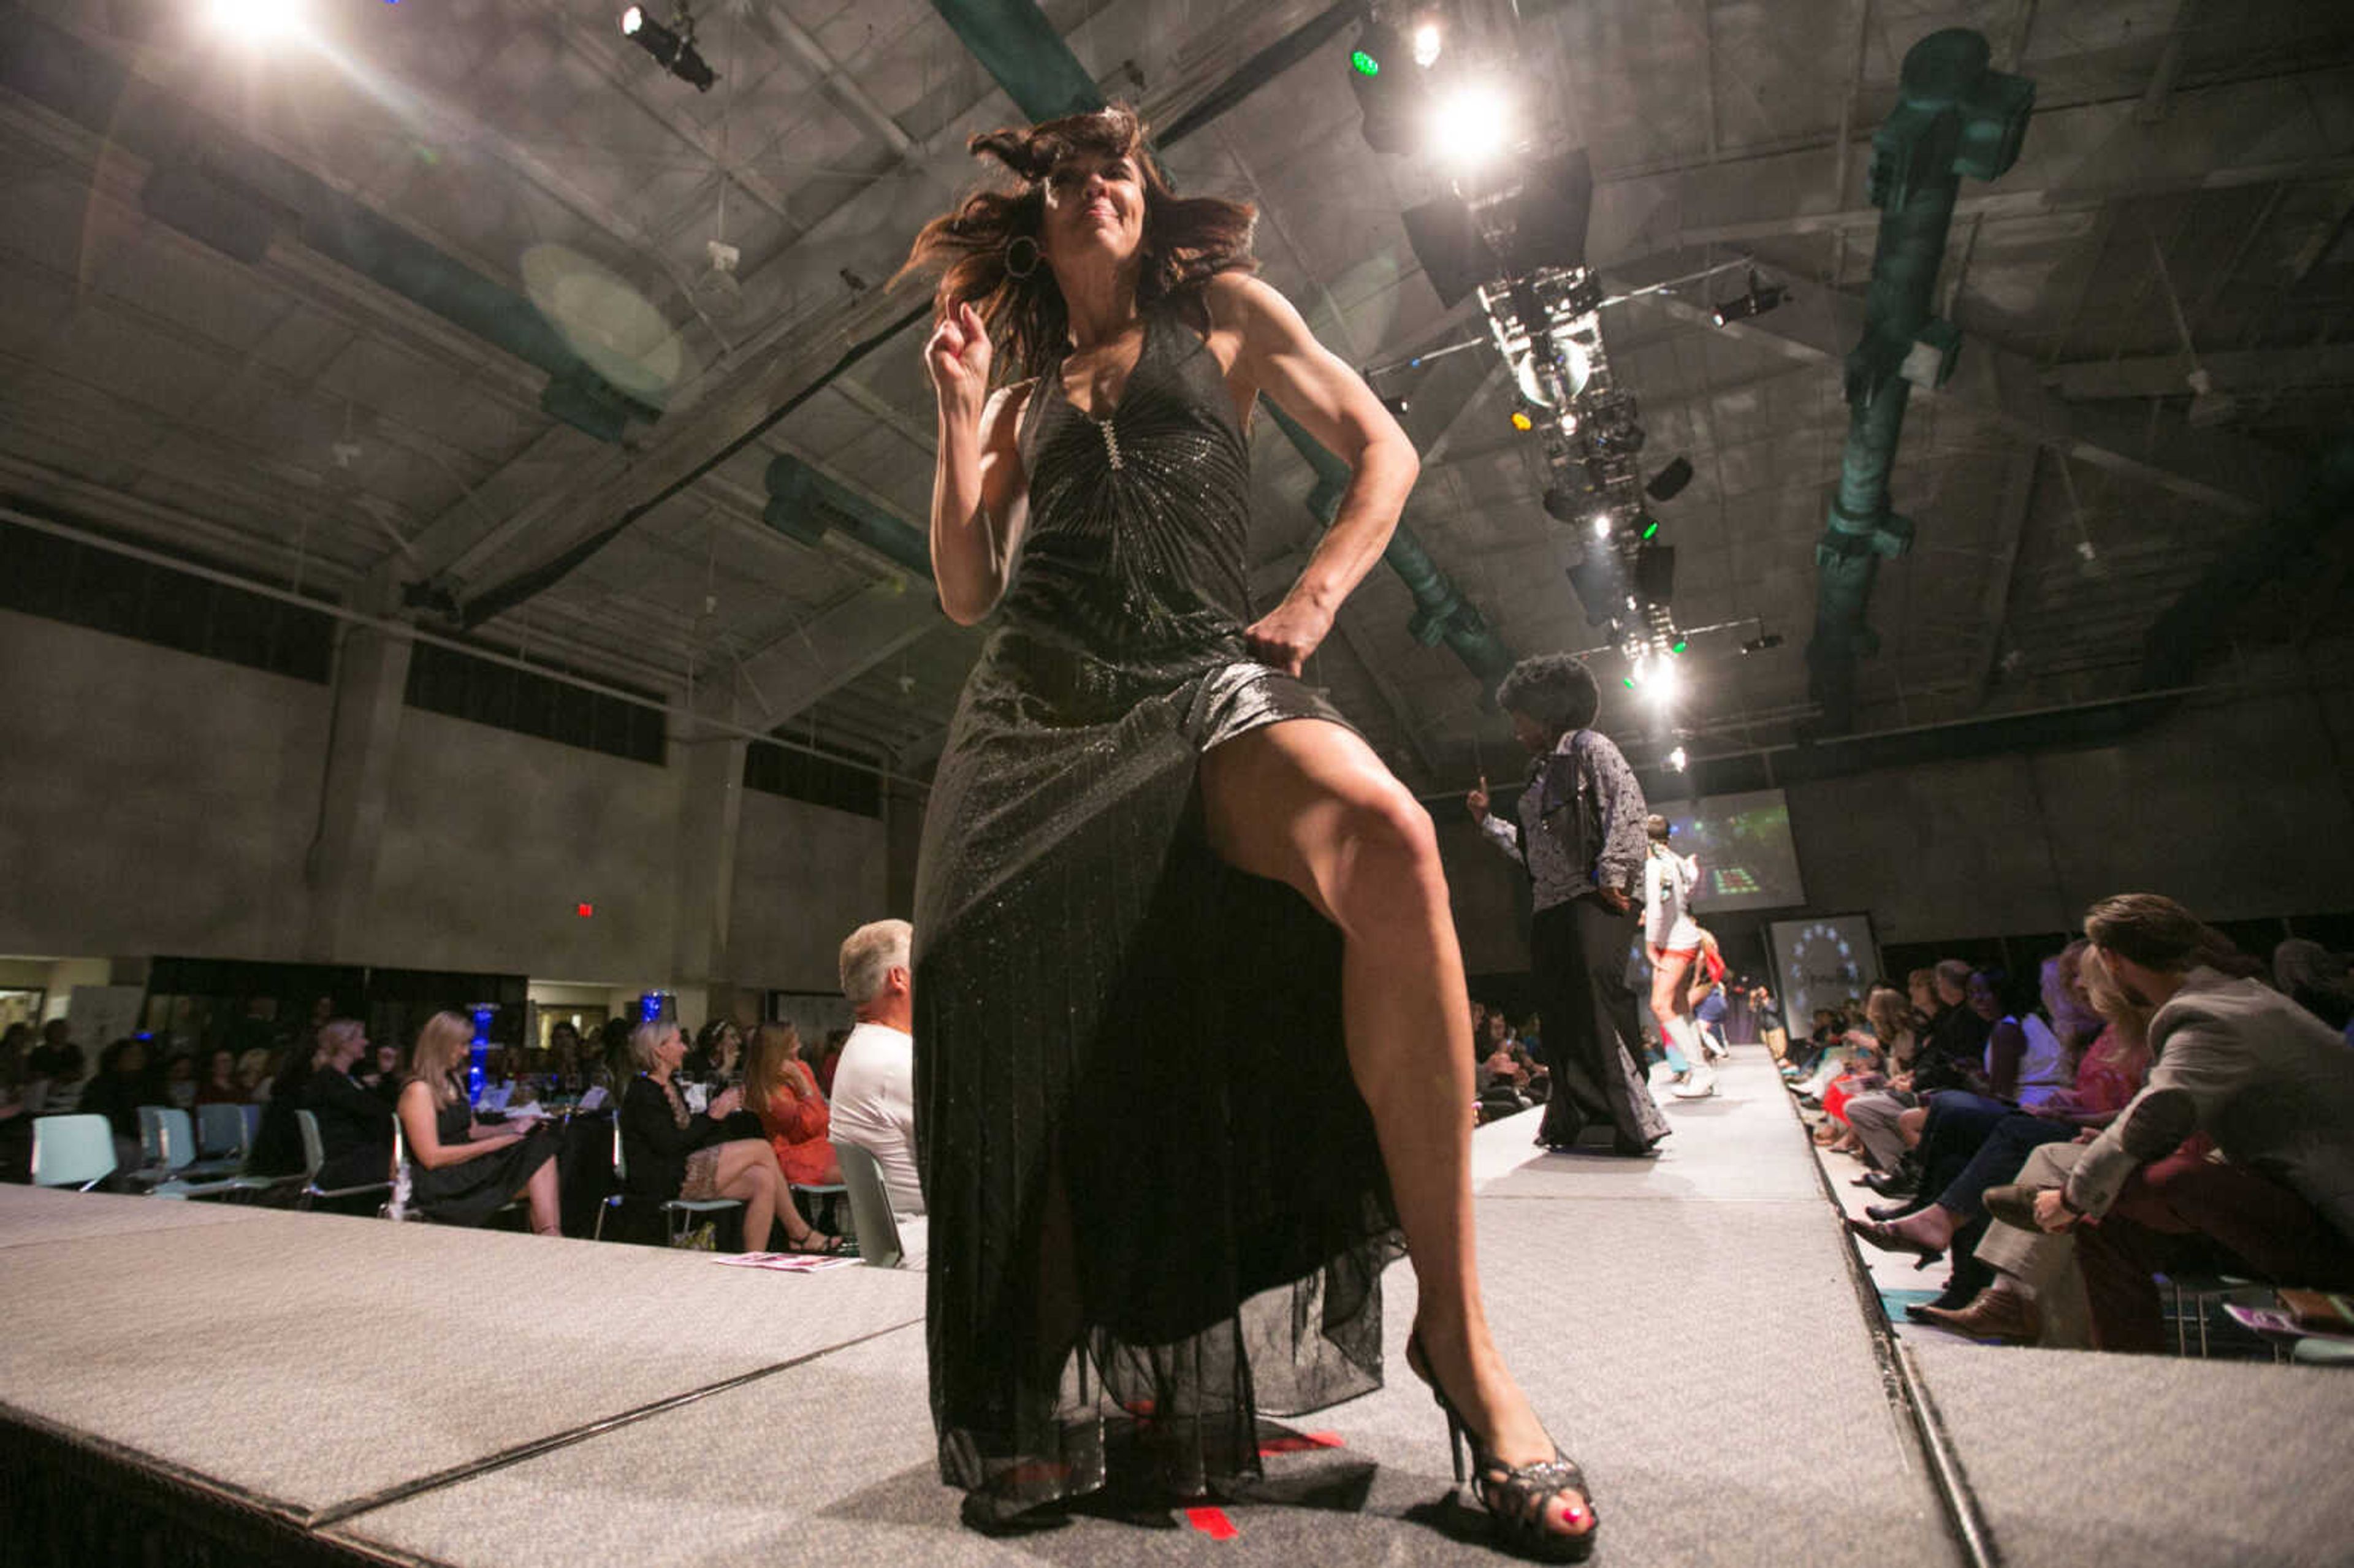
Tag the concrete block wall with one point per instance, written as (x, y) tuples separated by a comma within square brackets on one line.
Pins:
[(154, 802)]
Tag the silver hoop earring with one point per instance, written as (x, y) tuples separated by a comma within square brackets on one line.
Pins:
[(1012, 250)]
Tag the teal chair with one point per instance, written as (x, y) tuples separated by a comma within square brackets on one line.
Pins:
[(75, 1151), (179, 1151), (679, 1214), (871, 1219), (222, 1135)]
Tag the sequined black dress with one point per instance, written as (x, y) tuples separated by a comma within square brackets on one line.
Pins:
[(1157, 1207)]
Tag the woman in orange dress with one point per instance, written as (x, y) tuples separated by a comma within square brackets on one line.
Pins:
[(778, 1090)]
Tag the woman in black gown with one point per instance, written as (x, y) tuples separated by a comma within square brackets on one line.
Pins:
[(1158, 877), (463, 1171)]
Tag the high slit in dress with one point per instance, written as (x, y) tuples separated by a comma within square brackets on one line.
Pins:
[(1157, 1206)]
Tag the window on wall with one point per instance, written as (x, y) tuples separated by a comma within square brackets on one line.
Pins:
[(821, 775), (84, 585), (483, 690)]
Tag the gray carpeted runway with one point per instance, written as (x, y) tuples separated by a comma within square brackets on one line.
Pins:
[(1689, 1325)]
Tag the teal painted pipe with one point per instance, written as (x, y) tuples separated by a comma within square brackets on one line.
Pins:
[(1021, 50), (1954, 117), (804, 504)]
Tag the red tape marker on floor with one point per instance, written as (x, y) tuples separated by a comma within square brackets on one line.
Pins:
[(1212, 1523), (1301, 1443)]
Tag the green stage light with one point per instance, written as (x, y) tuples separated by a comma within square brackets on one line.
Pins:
[(1650, 529), (1364, 64), (1678, 646)]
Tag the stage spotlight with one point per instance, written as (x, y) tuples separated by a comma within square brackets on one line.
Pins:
[(1386, 92), (1669, 481), (1396, 405), (1678, 761), (1760, 298), (258, 20), (1761, 642), (1521, 422), (1601, 520), (1428, 42), (1471, 124), (1561, 503), (1651, 526), (673, 47)]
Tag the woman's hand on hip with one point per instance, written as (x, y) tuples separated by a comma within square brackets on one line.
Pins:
[(1288, 634)]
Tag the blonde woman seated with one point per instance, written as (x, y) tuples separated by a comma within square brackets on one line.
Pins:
[(781, 1091), (466, 1171), (673, 1152)]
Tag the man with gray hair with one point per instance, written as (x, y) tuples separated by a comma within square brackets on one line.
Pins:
[(875, 1084)]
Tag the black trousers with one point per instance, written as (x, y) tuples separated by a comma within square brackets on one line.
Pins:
[(1592, 1036)]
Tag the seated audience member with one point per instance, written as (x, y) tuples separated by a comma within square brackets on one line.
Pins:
[(717, 1059), (53, 1073), (1884, 1046), (673, 1152), (2028, 1290), (2315, 979), (123, 1083), (2270, 1084), (615, 1064), (1891, 1121), (277, 1141), (874, 1090), (177, 1081), (828, 1060), (355, 1126), (783, 1092), (464, 1170), (380, 1073), (254, 1076), (218, 1086), (1952, 1047)]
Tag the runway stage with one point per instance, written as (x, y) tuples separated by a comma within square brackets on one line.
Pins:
[(252, 1385)]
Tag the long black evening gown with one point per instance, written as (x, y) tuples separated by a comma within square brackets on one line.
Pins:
[(1157, 1206)]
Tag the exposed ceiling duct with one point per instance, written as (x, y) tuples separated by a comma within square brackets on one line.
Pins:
[(1955, 117)]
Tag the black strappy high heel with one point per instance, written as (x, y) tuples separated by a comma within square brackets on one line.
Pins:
[(1514, 1496)]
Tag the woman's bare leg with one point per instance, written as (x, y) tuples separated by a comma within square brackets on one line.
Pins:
[(1308, 803), (546, 1214), (1668, 991), (747, 1169)]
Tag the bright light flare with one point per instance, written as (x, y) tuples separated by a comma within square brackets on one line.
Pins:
[(1471, 124), (260, 20), (1678, 761), (1426, 44), (631, 20), (1602, 525)]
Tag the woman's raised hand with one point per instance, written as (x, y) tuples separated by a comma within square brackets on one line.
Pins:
[(957, 355)]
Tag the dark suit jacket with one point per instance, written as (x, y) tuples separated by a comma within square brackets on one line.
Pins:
[(653, 1145)]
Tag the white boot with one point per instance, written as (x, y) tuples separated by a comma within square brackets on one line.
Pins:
[(1702, 1081)]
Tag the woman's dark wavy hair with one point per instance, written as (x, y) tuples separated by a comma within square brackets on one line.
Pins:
[(1554, 689), (1188, 241)]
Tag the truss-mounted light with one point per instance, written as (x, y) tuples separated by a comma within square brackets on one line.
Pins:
[(673, 47)]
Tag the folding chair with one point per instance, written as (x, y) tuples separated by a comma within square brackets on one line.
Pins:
[(823, 1208), (222, 1135), (872, 1221), (315, 1155), (75, 1151), (181, 1150), (678, 1213), (176, 1147)]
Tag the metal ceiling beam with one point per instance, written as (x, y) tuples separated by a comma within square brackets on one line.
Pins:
[(2001, 384), (787, 35), (2162, 374), (2080, 158), (2003, 573)]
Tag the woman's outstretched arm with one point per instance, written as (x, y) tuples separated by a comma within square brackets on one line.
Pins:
[(1281, 358)]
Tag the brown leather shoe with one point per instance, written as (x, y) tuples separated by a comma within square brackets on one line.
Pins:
[(1997, 1313), (2012, 1205)]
